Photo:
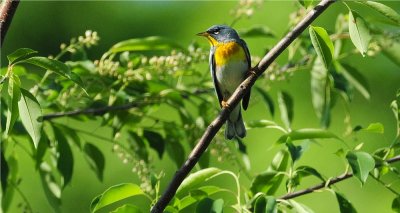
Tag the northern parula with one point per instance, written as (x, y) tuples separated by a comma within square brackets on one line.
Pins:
[(229, 65)]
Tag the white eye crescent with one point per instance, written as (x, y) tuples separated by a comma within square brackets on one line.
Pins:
[(216, 32)]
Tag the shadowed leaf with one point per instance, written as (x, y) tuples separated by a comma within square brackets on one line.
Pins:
[(95, 159), (344, 205), (30, 112), (359, 32), (384, 10), (361, 163), (322, 44), (20, 53)]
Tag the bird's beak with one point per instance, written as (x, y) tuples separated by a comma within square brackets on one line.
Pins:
[(205, 34)]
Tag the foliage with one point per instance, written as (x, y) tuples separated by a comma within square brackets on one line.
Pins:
[(136, 77)]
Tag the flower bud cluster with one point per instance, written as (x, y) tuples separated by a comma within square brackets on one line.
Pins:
[(245, 8)]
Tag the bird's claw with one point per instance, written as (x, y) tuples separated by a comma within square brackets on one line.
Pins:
[(224, 104)]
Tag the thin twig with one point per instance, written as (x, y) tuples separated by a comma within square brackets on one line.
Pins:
[(332, 181), (243, 88), (7, 10), (96, 111)]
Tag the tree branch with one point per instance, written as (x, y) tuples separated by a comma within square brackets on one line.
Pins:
[(243, 88), (96, 111), (7, 10), (332, 181)]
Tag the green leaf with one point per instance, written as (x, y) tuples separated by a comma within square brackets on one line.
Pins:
[(205, 191), (265, 204), (50, 187), (10, 176), (4, 171), (304, 171), (361, 163), (14, 94), (20, 53), (299, 207), (344, 205), (322, 44), (267, 99), (279, 164), (396, 204), (208, 205), (384, 10), (127, 208), (156, 141), (196, 178), (264, 181), (321, 92), (49, 64), (114, 194), (390, 48), (302, 134), (261, 124), (30, 112), (359, 32), (65, 160), (139, 146), (285, 102), (41, 149), (355, 78), (306, 3), (375, 128), (296, 151), (256, 31), (95, 159), (153, 43)]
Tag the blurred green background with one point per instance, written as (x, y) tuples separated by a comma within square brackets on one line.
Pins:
[(44, 25)]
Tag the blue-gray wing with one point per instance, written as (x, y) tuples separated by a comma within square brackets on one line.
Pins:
[(246, 97), (214, 77)]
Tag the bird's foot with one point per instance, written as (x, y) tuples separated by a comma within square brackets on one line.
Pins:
[(224, 104)]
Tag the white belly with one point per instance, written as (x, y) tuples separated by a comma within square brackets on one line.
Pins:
[(230, 76)]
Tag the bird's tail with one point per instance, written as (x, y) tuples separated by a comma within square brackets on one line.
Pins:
[(235, 125)]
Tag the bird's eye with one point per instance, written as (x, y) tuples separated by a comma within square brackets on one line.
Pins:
[(216, 32)]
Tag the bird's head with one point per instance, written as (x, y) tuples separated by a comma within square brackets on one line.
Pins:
[(220, 34)]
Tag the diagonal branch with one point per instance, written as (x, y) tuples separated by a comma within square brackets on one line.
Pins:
[(332, 181), (7, 10), (243, 88)]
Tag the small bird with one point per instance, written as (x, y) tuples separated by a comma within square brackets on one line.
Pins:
[(229, 65)]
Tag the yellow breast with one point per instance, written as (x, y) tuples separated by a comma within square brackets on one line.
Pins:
[(225, 52)]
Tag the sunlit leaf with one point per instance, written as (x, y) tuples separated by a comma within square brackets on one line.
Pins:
[(256, 31), (196, 178), (114, 194), (30, 112), (374, 128), (384, 10), (261, 124), (286, 107), (156, 141), (20, 53), (95, 159), (153, 43), (355, 78), (208, 205), (302, 134), (267, 99), (49, 64), (127, 208), (361, 163), (65, 160), (322, 44), (321, 92), (344, 205), (359, 32), (14, 94)]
